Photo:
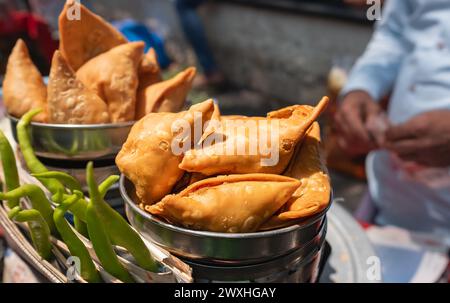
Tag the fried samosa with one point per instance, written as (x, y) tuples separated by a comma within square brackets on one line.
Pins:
[(186, 180), (69, 101), (308, 166), (254, 145), (233, 203), (147, 157), (113, 77), (149, 71), (23, 87), (166, 96), (149, 74), (85, 36)]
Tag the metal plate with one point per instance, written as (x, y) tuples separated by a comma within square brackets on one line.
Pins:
[(351, 249), (219, 248), (76, 141)]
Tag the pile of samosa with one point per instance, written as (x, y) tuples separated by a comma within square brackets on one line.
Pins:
[(96, 76), (228, 192)]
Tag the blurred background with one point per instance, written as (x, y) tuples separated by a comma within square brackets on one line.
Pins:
[(254, 56)]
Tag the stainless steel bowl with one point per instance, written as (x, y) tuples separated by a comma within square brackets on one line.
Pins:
[(76, 141), (220, 248), (299, 266)]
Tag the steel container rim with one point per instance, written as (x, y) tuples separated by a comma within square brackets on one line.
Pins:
[(75, 126), (76, 142)]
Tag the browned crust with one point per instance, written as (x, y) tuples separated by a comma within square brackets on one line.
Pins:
[(98, 28), (233, 179)]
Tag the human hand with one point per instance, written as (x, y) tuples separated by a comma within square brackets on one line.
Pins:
[(424, 139), (357, 109)]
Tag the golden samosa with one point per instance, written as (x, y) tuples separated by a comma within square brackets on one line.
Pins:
[(243, 145), (166, 96), (186, 180), (149, 73), (313, 196), (149, 70), (148, 158), (113, 77), (69, 101), (84, 36), (233, 203), (23, 87)]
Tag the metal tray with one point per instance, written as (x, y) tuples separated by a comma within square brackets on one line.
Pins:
[(351, 249), (220, 248), (76, 141)]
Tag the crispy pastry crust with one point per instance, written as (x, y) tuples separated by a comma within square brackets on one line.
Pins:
[(293, 124), (23, 87), (69, 101), (166, 96), (84, 39), (147, 159), (308, 166), (113, 76), (233, 203)]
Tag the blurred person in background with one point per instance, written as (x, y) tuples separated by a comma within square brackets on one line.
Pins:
[(195, 34), (360, 3), (19, 20), (408, 167)]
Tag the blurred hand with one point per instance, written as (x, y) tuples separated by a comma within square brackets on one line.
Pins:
[(424, 139), (356, 110)]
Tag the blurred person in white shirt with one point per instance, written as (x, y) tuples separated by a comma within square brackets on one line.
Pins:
[(408, 167)]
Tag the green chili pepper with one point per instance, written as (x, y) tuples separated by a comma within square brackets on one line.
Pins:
[(106, 185), (67, 180), (103, 247), (80, 207), (80, 226), (38, 201), (73, 185), (75, 245), (58, 197), (119, 231), (34, 165), (103, 188), (39, 230), (9, 168)]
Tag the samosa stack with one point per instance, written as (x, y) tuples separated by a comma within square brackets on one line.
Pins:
[(212, 188), (97, 60)]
